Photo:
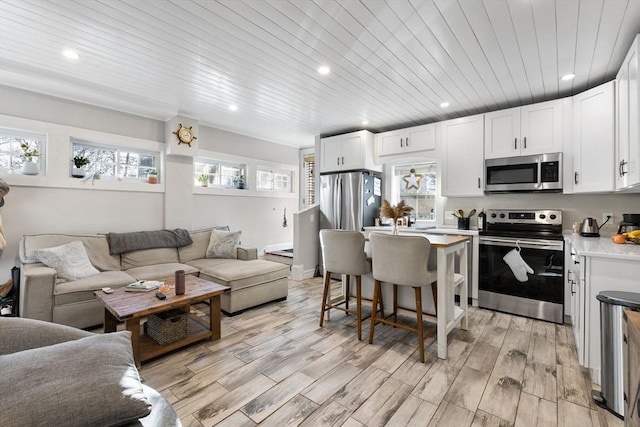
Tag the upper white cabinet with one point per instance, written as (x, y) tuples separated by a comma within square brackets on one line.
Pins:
[(521, 131), (593, 139), (461, 142), (409, 140), (350, 151), (627, 160)]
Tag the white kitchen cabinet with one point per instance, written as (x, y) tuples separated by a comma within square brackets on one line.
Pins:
[(409, 140), (461, 143), (597, 267), (350, 151), (627, 160), (593, 139), (521, 131)]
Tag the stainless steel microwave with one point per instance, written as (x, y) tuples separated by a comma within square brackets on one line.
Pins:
[(541, 172)]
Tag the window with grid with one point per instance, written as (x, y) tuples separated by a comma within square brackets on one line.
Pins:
[(215, 173), (17, 147), (309, 166), (274, 180), (416, 185), (115, 162)]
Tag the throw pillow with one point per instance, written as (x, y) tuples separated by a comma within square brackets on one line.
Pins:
[(89, 381), (223, 244), (70, 261)]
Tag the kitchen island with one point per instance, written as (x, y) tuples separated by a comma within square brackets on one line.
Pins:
[(596, 264), (448, 315)]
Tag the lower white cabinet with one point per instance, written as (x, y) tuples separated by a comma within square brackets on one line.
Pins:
[(593, 275), (462, 142)]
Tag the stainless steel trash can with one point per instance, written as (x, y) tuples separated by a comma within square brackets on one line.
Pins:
[(611, 395)]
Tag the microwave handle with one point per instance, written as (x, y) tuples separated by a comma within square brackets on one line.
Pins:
[(539, 184)]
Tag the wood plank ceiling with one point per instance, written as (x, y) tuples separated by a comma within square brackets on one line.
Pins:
[(392, 62)]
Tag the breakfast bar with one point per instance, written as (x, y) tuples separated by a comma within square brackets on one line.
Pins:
[(448, 315)]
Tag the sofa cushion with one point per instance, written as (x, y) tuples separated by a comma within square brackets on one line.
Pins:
[(69, 260), (83, 289), (96, 246), (147, 257), (160, 271), (223, 244), (240, 274), (89, 381), (205, 263), (198, 248)]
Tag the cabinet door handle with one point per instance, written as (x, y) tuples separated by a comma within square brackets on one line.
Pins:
[(621, 168), (572, 291), (401, 143), (525, 142), (515, 143), (478, 182), (343, 160), (338, 161), (575, 177), (406, 142)]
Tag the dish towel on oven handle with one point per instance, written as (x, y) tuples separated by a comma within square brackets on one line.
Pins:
[(517, 265)]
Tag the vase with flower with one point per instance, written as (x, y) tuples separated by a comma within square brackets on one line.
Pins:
[(30, 166), (395, 212)]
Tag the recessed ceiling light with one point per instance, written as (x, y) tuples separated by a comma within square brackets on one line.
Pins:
[(233, 107), (567, 77), (324, 70), (71, 54), (365, 122), (444, 105)]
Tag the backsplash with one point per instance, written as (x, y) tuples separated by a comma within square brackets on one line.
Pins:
[(575, 207)]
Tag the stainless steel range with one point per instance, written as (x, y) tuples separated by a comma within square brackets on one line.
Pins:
[(522, 263)]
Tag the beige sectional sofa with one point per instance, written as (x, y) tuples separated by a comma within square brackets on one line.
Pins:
[(43, 296)]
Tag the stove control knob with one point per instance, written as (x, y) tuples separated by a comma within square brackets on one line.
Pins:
[(552, 216), (501, 215), (493, 215), (542, 216)]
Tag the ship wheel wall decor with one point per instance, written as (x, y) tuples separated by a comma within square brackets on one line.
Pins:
[(185, 135)]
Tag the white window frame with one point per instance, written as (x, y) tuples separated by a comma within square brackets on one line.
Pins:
[(400, 170), (274, 173), (227, 172), (118, 173), (15, 153)]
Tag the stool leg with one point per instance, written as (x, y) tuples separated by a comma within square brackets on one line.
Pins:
[(359, 306), (325, 294), (347, 292), (419, 320), (395, 304), (374, 309)]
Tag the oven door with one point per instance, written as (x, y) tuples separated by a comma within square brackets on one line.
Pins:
[(541, 296)]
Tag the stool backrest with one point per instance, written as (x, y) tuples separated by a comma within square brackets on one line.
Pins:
[(343, 252), (401, 260)]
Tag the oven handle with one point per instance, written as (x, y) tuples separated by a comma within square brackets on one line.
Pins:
[(532, 244)]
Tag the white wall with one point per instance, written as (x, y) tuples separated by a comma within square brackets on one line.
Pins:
[(86, 209)]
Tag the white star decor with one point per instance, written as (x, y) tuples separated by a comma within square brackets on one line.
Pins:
[(413, 180)]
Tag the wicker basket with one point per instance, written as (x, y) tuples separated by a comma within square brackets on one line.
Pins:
[(168, 326)]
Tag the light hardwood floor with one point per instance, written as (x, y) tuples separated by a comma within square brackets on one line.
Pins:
[(274, 366)]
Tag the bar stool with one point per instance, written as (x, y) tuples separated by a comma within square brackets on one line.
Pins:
[(343, 253), (401, 261)]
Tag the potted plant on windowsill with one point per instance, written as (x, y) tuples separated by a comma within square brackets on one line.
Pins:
[(79, 163), (152, 177), (239, 181), (30, 166), (204, 180)]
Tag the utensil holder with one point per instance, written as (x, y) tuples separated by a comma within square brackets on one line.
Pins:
[(463, 223)]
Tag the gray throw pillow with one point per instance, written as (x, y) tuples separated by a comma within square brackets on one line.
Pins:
[(70, 261), (223, 244), (89, 381)]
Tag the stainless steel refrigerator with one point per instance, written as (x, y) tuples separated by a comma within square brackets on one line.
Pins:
[(350, 200)]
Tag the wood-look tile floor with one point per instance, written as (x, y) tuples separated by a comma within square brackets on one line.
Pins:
[(274, 366)]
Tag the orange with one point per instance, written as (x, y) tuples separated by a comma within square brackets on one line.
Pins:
[(618, 238)]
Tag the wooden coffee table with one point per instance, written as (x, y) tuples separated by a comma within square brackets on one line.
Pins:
[(131, 307)]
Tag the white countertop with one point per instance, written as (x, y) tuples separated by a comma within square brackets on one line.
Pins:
[(426, 230), (603, 247)]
